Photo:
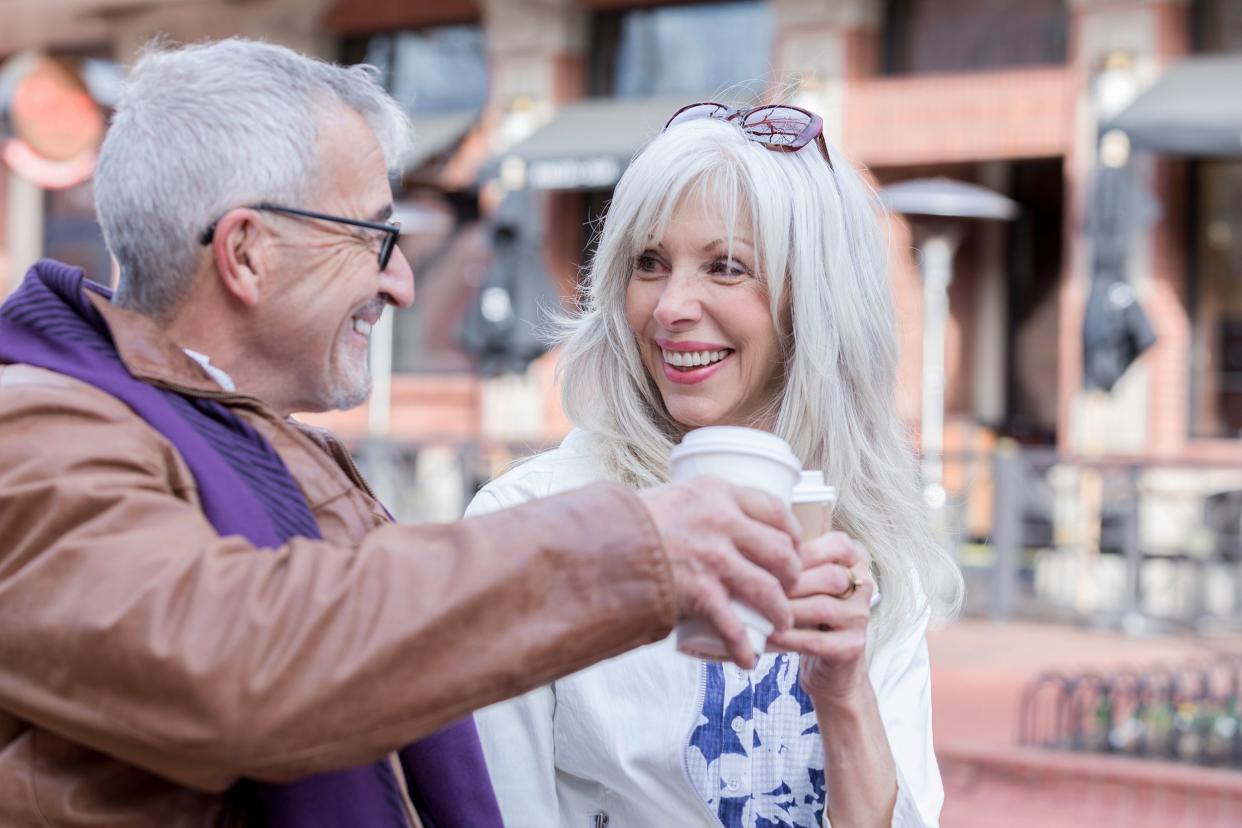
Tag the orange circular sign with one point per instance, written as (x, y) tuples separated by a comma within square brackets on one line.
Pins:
[(53, 113)]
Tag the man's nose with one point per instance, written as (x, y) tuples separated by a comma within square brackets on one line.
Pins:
[(397, 280)]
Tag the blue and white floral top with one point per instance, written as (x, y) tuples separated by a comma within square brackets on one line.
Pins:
[(653, 738), (755, 755)]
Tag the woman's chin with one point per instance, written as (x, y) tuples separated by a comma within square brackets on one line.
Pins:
[(694, 416)]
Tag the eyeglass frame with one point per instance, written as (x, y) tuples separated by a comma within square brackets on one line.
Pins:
[(391, 229), (814, 130)]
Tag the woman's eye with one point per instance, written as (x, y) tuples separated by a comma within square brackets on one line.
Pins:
[(646, 263), (729, 269)]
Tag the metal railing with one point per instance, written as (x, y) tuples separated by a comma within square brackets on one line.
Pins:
[(1125, 543), (1038, 535)]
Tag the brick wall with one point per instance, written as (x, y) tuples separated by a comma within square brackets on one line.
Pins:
[(979, 116)]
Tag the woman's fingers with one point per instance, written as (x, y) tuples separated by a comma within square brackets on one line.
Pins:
[(831, 602), (824, 626), (816, 612), (824, 579), (834, 547), (843, 645)]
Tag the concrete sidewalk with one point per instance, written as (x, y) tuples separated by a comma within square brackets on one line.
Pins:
[(979, 670)]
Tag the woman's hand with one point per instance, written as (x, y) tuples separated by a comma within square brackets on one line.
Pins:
[(832, 607)]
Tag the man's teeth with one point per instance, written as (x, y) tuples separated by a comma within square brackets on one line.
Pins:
[(362, 326), (690, 359)]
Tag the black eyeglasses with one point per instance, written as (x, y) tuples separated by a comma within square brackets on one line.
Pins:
[(775, 126), (391, 230)]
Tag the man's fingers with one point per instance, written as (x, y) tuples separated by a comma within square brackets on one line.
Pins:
[(719, 613), (757, 588), (766, 533), (768, 548), (765, 508)]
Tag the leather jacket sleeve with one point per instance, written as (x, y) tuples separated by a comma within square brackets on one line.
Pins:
[(129, 626)]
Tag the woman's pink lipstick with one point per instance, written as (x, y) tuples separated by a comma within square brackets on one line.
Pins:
[(691, 376)]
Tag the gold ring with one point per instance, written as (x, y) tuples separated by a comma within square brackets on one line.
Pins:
[(849, 590)]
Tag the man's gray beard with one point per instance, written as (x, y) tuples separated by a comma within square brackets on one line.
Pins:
[(345, 397)]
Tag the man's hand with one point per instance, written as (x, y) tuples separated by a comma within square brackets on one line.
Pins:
[(727, 542)]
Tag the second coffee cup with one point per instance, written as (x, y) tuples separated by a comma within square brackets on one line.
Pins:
[(812, 503)]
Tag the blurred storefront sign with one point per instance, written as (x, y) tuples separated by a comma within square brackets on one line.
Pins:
[(575, 174), (52, 123), (585, 146)]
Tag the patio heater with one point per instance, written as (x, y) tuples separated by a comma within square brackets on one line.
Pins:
[(937, 209)]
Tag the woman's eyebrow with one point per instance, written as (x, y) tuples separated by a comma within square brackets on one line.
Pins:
[(716, 243)]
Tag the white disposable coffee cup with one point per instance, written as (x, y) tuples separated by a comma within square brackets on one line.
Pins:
[(745, 457), (812, 503)]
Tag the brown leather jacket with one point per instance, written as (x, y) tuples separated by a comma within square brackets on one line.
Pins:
[(146, 664)]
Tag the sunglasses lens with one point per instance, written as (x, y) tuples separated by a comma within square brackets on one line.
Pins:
[(780, 126), (694, 112)]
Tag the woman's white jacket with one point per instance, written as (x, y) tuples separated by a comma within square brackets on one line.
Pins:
[(608, 746)]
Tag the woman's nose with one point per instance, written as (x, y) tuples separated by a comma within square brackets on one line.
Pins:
[(679, 305)]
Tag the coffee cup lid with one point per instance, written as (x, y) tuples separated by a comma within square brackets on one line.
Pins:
[(736, 439), (812, 489)]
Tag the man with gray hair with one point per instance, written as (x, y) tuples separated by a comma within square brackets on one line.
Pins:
[(205, 616)]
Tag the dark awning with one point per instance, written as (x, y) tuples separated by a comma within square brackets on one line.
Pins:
[(1195, 108), (587, 144), (434, 135)]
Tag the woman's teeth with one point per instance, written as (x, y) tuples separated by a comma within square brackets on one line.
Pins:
[(692, 359), (363, 327)]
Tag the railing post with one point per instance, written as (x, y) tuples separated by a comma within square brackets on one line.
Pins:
[(1132, 618), (1006, 529)]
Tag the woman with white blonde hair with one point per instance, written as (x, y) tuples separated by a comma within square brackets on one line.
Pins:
[(740, 279)]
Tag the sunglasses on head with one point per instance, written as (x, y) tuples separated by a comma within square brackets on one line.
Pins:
[(774, 126)]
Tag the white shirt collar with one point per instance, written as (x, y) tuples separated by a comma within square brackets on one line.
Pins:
[(221, 378)]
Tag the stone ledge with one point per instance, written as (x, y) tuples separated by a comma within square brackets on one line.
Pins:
[(1039, 763)]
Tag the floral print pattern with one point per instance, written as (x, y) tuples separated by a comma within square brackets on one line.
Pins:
[(754, 755)]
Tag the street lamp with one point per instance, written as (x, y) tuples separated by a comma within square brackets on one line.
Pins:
[(937, 208)]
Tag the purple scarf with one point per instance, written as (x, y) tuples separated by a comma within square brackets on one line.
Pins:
[(48, 322)]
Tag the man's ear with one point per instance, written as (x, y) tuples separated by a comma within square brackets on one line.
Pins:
[(237, 250)]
